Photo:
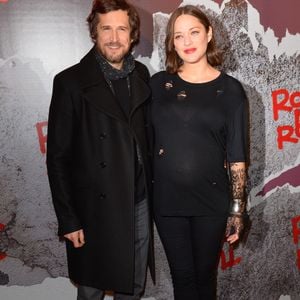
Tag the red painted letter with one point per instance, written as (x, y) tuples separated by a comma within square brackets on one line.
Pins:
[(231, 260), (298, 258), (42, 136), (297, 122), (284, 134), (2, 254), (296, 229), (280, 104), (293, 102)]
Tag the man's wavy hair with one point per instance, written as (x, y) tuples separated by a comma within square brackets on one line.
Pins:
[(173, 61), (106, 6)]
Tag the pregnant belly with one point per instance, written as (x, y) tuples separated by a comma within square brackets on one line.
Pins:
[(185, 170)]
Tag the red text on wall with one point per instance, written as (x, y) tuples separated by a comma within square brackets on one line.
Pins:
[(296, 237), (285, 102), (227, 259), (41, 128), (2, 254)]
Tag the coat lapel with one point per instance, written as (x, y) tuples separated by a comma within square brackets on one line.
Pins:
[(96, 90), (101, 97), (140, 91)]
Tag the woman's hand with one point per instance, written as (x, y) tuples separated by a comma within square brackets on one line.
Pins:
[(234, 228)]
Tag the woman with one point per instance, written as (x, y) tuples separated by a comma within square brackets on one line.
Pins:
[(200, 125)]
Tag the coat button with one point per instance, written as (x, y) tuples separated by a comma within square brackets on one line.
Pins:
[(103, 164), (103, 135), (102, 196)]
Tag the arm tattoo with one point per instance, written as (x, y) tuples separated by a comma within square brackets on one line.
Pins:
[(238, 183), (238, 180)]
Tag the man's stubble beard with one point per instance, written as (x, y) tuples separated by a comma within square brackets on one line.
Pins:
[(113, 58)]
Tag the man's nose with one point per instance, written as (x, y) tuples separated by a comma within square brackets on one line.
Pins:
[(114, 36)]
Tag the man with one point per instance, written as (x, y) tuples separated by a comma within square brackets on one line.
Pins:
[(97, 159)]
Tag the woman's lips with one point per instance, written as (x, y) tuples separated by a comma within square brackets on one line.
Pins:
[(190, 50)]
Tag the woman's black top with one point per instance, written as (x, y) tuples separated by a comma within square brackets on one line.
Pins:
[(197, 127)]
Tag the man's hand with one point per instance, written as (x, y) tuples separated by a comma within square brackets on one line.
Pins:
[(76, 237)]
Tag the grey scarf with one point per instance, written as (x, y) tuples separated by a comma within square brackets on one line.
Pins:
[(111, 73)]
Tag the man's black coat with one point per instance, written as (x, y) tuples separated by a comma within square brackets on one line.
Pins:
[(91, 169)]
